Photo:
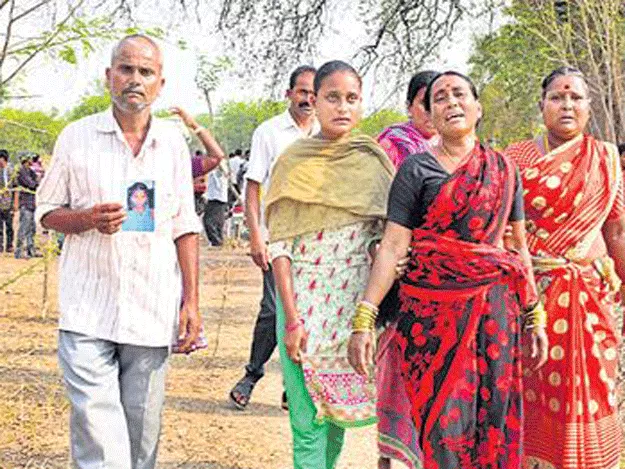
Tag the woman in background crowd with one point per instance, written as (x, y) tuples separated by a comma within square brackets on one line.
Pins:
[(397, 437)]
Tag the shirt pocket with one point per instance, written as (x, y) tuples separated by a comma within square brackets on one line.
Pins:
[(95, 179)]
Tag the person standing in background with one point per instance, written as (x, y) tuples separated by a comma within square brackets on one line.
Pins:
[(6, 203), (269, 140), (216, 206), (200, 164), (397, 435), (37, 167), (235, 165), (27, 183)]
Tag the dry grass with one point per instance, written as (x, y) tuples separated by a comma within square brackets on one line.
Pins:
[(200, 429)]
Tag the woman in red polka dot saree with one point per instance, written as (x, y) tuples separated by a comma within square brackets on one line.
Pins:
[(575, 232), (463, 295)]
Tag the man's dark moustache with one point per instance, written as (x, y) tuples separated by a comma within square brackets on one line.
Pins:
[(304, 105), (133, 91)]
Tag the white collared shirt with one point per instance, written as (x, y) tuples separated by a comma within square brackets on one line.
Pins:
[(125, 287), (269, 141), (235, 166), (217, 186)]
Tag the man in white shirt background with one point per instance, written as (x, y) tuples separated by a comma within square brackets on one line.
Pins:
[(269, 140), (236, 160), (216, 206), (120, 293)]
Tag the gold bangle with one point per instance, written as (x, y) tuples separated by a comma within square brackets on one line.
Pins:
[(364, 317), (537, 317)]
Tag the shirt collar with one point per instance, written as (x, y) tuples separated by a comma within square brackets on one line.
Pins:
[(107, 124), (288, 122)]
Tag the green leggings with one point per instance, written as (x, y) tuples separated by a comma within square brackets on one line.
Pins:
[(315, 445)]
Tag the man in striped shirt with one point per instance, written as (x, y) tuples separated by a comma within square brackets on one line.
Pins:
[(120, 292)]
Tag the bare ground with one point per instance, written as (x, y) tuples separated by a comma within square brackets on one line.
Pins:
[(200, 428)]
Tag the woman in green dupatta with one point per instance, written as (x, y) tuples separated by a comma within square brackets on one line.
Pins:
[(325, 206)]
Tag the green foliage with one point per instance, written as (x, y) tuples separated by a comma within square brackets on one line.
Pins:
[(38, 30), (27, 130), (509, 64), (375, 123), (89, 105), (162, 113), (236, 121), (209, 72), (508, 67)]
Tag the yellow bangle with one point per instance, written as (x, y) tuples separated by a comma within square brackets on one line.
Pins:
[(537, 317), (364, 317)]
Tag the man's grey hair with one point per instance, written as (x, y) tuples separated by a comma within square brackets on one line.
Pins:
[(131, 37)]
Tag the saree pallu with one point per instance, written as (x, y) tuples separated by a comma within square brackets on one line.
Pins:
[(401, 140), (570, 403), (397, 436), (459, 333)]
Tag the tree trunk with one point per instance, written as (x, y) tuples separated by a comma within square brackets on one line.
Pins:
[(209, 103)]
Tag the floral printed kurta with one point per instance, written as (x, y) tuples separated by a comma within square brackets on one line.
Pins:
[(330, 270)]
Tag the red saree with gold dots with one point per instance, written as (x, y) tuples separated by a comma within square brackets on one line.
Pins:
[(570, 404)]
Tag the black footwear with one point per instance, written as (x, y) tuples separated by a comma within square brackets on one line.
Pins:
[(284, 405), (242, 392)]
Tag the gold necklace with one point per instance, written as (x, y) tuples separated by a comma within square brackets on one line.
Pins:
[(453, 159), (546, 144)]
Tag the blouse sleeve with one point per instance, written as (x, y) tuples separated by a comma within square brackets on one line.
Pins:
[(405, 193), (517, 213)]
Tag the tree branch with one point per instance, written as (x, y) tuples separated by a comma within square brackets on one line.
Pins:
[(7, 37), (44, 45), (30, 10)]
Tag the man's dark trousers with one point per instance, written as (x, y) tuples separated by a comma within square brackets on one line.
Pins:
[(264, 341), (6, 225), (214, 220)]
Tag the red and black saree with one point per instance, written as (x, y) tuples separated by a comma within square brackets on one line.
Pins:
[(459, 333)]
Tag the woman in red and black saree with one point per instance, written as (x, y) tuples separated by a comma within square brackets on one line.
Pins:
[(463, 295), (575, 219)]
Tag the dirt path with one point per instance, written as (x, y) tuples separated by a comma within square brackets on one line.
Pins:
[(200, 429)]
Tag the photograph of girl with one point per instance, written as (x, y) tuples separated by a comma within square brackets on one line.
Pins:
[(139, 207)]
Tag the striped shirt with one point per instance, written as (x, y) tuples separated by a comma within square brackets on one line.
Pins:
[(125, 287)]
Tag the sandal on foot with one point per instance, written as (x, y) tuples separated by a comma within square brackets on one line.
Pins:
[(242, 392)]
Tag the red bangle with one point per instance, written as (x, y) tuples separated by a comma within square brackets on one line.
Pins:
[(294, 325)]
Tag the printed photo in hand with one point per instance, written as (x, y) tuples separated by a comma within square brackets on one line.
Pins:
[(139, 203)]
